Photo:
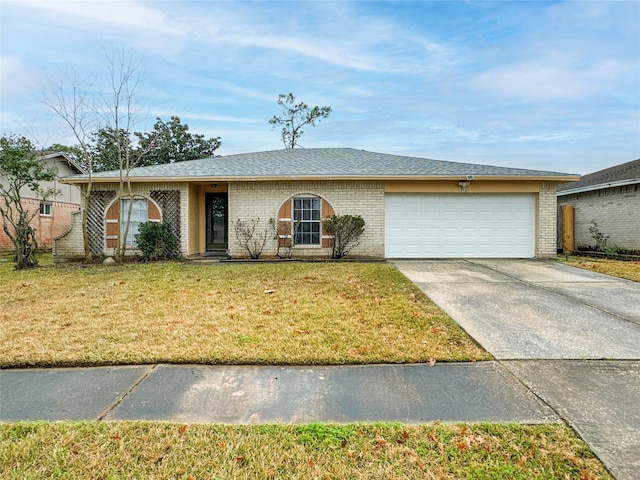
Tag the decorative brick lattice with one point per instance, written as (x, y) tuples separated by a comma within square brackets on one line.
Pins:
[(169, 203), (95, 220)]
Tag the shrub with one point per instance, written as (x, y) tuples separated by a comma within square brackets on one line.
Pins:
[(248, 239), (616, 250), (346, 230), (284, 233), (157, 242), (598, 236)]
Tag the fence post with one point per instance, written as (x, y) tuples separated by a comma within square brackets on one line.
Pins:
[(568, 241)]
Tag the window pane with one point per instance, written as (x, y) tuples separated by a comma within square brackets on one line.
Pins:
[(45, 208), (139, 214), (306, 214)]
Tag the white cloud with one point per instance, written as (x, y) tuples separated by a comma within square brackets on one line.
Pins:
[(121, 13), (549, 78), (199, 116), (11, 67)]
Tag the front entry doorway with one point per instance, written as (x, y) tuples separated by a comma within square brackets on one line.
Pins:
[(216, 212)]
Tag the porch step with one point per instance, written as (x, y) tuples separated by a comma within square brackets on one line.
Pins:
[(220, 253)]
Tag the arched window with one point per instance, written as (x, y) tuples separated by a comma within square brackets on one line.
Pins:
[(300, 221), (142, 210)]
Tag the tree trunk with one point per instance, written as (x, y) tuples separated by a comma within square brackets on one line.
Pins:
[(25, 244), (88, 257)]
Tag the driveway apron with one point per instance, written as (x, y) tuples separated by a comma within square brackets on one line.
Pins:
[(527, 309), (571, 336), (599, 399)]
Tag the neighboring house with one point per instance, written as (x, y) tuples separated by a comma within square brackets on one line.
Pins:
[(413, 207), (54, 214), (611, 198)]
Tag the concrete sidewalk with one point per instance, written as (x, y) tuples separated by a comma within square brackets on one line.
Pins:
[(474, 392)]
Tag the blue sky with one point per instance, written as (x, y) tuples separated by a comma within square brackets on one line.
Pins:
[(541, 85)]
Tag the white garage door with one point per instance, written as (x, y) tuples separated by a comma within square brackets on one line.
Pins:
[(459, 225)]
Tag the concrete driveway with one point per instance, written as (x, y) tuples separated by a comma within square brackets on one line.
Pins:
[(527, 309), (570, 335)]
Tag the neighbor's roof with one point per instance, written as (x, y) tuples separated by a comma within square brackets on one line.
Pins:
[(320, 163), (616, 176), (72, 163)]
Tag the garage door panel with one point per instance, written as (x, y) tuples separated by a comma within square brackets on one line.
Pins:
[(466, 225)]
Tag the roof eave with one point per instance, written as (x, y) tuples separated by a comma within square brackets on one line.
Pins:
[(600, 186), (263, 178)]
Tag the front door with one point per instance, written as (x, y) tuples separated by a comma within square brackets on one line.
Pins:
[(216, 211)]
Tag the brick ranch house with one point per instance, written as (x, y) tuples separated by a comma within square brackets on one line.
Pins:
[(413, 207), (611, 198), (54, 214)]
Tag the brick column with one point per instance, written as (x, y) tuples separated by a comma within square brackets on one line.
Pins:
[(547, 220)]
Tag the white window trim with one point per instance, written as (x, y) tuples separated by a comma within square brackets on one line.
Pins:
[(319, 221), (45, 204)]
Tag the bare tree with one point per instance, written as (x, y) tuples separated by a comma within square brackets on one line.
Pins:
[(71, 103), (113, 109), (295, 118), (125, 74)]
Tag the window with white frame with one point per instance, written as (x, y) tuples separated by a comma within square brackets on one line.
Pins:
[(139, 214), (45, 209), (306, 217)]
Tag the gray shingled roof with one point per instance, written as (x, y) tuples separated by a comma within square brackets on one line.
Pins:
[(601, 179), (317, 163)]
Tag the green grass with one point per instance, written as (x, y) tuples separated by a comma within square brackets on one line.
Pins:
[(151, 450), (284, 313), (615, 268), (262, 314)]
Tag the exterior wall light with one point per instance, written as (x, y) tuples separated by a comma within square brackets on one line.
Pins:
[(463, 185)]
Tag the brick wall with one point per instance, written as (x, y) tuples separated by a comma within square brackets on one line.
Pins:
[(69, 246), (252, 200), (615, 210), (47, 227), (547, 220)]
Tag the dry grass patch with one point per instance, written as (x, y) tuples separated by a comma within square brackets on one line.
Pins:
[(615, 268), (314, 451), (286, 313)]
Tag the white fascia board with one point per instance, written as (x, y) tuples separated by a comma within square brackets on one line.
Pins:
[(601, 186)]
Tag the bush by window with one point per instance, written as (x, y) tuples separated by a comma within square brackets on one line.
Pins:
[(157, 241)]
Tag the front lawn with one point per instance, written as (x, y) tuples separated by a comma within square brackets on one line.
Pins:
[(615, 268), (244, 313), (157, 450)]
